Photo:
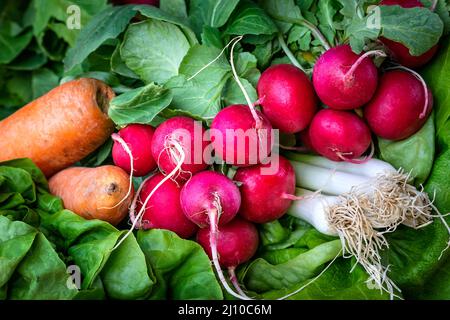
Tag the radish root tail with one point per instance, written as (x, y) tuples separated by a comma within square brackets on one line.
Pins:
[(214, 215)]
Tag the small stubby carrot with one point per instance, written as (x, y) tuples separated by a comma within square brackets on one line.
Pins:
[(102, 193), (61, 127)]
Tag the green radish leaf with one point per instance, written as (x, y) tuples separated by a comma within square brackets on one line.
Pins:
[(154, 50), (45, 10), (182, 268), (213, 13), (118, 65), (283, 10), (442, 10), (414, 154), (108, 24), (28, 61), (12, 45), (246, 67), (359, 33), (157, 14), (176, 8), (201, 95), (325, 14), (304, 5), (140, 105), (212, 37), (233, 94), (250, 19), (418, 29)]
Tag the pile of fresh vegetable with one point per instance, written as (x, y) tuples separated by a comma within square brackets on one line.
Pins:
[(125, 175)]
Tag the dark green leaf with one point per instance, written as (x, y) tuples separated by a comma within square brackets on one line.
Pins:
[(106, 25), (251, 19), (140, 105), (182, 268), (415, 154), (213, 13)]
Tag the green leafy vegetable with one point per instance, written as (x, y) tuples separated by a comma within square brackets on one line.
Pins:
[(414, 154), (140, 105), (435, 74), (213, 13), (417, 28), (154, 50), (106, 25), (250, 19), (200, 95), (181, 267)]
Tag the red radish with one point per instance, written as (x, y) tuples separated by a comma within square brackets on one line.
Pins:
[(163, 210), (266, 197), (208, 192), (287, 97), (176, 136), (400, 106), (339, 135), (237, 242), (138, 137), (344, 80), (235, 139), (211, 199), (398, 50)]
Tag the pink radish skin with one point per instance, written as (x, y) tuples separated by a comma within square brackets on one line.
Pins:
[(236, 244), (339, 89), (167, 131), (395, 111), (210, 199), (163, 210), (266, 197), (233, 119), (207, 192), (287, 97), (339, 135), (397, 50), (138, 137)]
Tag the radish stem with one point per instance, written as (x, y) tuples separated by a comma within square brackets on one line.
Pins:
[(235, 282), (317, 34), (351, 71), (213, 238), (289, 53), (258, 122)]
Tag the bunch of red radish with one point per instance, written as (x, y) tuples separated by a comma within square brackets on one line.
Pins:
[(187, 198)]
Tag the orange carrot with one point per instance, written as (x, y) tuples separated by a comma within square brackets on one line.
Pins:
[(59, 128), (94, 193)]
